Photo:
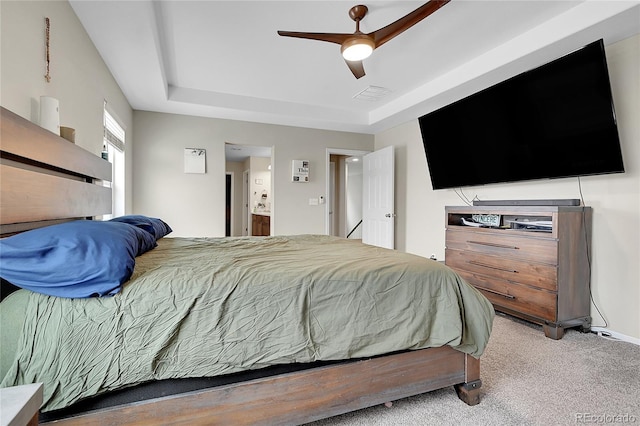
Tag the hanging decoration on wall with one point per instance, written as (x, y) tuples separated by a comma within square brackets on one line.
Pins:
[(195, 160), (47, 31), (300, 171)]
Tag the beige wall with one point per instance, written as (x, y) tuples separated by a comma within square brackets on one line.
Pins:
[(614, 198), (193, 204), (79, 78)]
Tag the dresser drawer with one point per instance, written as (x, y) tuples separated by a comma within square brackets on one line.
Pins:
[(508, 269), (521, 298), (507, 243)]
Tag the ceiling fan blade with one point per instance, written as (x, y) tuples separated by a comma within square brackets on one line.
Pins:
[(356, 68), (374, 39), (330, 37), (385, 34)]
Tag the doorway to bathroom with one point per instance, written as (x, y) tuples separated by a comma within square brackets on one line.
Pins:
[(251, 188)]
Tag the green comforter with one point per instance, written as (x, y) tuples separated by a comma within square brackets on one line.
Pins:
[(202, 307)]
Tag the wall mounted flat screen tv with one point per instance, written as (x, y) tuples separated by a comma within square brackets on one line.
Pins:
[(553, 121)]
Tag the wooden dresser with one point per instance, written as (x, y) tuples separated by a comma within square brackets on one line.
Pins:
[(534, 264)]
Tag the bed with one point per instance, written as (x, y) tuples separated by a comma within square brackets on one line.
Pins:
[(282, 329)]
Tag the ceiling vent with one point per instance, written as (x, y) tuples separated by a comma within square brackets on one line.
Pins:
[(372, 93)]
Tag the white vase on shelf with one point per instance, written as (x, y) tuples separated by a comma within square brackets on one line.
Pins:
[(50, 114)]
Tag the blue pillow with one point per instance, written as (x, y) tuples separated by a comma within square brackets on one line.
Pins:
[(83, 258), (156, 227)]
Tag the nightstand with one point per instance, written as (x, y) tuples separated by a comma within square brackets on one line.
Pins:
[(19, 405)]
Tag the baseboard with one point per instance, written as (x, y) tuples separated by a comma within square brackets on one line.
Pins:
[(605, 332)]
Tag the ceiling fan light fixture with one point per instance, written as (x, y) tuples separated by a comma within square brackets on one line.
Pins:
[(357, 48)]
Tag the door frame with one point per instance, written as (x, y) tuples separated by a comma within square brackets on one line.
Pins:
[(327, 204)]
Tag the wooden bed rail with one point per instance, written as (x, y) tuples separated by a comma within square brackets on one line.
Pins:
[(304, 396)]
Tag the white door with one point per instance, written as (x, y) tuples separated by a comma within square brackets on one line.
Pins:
[(378, 215)]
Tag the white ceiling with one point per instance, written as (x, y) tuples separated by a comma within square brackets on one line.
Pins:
[(224, 59)]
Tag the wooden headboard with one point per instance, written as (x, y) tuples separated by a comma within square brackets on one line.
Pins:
[(45, 179)]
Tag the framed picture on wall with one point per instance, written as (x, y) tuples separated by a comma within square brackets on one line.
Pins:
[(195, 160), (300, 171)]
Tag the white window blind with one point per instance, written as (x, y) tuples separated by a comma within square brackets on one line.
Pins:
[(114, 138), (113, 132)]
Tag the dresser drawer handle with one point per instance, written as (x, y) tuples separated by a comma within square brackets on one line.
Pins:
[(484, 265), (508, 296), (494, 245)]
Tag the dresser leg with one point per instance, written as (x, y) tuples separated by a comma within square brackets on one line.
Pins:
[(553, 331), (586, 325)]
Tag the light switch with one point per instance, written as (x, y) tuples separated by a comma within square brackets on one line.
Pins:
[(313, 201)]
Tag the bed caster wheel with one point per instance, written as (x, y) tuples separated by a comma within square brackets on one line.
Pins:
[(388, 404)]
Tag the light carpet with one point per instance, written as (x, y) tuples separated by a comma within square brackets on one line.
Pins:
[(528, 379)]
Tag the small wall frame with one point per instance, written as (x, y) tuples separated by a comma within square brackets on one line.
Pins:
[(195, 160), (300, 171)]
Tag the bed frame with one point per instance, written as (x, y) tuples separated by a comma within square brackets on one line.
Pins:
[(45, 179)]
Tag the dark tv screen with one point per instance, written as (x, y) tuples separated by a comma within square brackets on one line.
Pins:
[(553, 121)]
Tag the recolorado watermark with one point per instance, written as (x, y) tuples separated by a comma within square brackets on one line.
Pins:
[(605, 418)]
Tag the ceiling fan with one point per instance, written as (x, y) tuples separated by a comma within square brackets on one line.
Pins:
[(358, 46)]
